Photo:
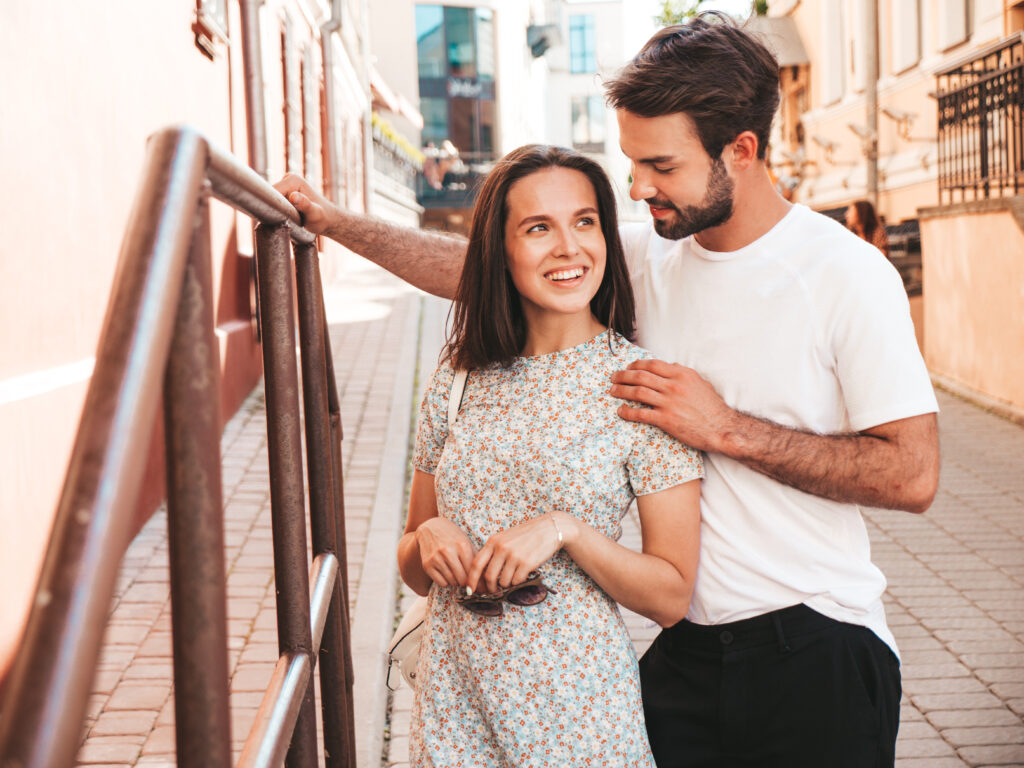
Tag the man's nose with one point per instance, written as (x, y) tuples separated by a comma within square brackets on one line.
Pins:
[(640, 187)]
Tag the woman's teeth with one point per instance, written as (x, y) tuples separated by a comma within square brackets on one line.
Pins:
[(567, 274)]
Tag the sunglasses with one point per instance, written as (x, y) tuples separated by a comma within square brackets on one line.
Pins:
[(531, 592)]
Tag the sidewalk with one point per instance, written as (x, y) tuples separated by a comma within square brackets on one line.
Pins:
[(956, 574)]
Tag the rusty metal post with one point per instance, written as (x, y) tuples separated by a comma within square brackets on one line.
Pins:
[(195, 518), (291, 564), (335, 707), (334, 407)]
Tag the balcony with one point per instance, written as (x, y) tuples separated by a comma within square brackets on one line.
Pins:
[(981, 131)]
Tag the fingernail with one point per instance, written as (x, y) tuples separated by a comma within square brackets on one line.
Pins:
[(468, 591)]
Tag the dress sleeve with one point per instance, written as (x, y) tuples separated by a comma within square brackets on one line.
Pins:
[(659, 462), (432, 424)]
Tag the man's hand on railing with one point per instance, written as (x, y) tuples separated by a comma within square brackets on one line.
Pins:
[(311, 204)]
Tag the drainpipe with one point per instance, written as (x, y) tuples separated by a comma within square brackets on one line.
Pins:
[(870, 35), (255, 111), (364, 54), (327, 32)]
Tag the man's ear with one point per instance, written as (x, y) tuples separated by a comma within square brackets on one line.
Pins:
[(743, 150)]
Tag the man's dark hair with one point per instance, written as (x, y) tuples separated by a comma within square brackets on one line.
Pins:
[(710, 69), (488, 324)]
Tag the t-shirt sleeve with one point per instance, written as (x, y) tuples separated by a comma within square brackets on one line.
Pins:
[(432, 424), (877, 359), (659, 462)]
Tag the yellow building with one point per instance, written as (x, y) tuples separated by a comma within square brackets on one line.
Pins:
[(915, 105)]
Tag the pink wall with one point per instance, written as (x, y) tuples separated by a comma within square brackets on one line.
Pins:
[(84, 85), (973, 261)]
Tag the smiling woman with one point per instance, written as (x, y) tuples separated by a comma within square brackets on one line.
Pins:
[(555, 209), (516, 504)]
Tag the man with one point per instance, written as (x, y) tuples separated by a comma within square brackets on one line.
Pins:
[(794, 367)]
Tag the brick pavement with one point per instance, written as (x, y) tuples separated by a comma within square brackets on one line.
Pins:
[(955, 600)]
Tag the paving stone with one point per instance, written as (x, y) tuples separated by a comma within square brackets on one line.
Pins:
[(929, 701), (965, 718), (933, 747), (999, 754), (110, 749), (1003, 734)]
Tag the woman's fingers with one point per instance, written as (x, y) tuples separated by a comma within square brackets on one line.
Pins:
[(476, 569)]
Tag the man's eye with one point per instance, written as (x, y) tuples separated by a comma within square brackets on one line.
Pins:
[(662, 170)]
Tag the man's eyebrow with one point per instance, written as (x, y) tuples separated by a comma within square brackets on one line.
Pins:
[(659, 160), (544, 217)]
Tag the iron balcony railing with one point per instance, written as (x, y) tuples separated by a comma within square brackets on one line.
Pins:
[(981, 134), (158, 331)]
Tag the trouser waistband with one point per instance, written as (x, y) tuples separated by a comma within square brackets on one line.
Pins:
[(773, 627)]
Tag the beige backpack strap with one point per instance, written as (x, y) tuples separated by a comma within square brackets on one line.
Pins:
[(455, 397)]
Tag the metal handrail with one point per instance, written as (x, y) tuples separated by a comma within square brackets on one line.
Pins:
[(159, 329)]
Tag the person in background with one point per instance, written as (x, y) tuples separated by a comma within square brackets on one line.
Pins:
[(862, 220)]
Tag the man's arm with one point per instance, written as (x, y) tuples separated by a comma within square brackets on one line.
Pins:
[(429, 260), (894, 465)]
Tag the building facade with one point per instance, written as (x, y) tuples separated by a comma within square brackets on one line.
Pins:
[(918, 108), (282, 83)]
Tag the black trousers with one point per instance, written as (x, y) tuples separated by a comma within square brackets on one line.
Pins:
[(790, 688)]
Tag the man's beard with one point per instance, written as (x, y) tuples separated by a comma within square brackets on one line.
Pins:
[(714, 209)]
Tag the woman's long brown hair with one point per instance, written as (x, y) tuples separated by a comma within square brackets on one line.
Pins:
[(488, 325)]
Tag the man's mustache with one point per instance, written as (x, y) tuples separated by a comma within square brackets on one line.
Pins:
[(655, 202)]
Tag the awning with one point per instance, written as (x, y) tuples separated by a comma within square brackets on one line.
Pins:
[(779, 33), (385, 98)]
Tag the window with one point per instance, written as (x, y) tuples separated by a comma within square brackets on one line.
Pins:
[(485, 43), (954, 24), (588, 114), (310, 118), (833, 81), (456, 56), (581, 43), (211, 25), (430, 40), (906, 34), (292, 101), (459, 26), (435, 119)]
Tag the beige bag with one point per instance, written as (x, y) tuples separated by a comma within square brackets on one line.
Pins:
[(404, 648)]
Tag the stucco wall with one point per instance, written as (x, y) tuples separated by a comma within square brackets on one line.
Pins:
[(84, 86), (973, 261)]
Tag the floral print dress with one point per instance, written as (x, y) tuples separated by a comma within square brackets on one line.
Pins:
[(554, 684)]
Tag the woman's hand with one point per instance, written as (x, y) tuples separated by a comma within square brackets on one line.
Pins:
[(508, 557), (445, 552)]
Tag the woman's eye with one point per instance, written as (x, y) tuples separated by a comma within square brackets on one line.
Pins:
[(587, 221), (538, 228)]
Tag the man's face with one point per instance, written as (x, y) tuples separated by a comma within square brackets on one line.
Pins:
[(686, 189)]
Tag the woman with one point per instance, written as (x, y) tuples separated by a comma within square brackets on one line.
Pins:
[(862, 220), (531, 484)]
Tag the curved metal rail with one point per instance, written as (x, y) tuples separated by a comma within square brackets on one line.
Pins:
[(159, 331)]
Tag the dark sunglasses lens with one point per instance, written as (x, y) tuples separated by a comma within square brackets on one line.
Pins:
[(483, 607), (531, 595)]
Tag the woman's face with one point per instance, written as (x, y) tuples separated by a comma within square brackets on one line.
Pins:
[(852, 221), (554, 245)]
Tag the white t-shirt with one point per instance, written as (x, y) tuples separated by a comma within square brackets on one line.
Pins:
[(809, 327)]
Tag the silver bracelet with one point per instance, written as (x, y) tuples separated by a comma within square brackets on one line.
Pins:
[(558, 530)]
